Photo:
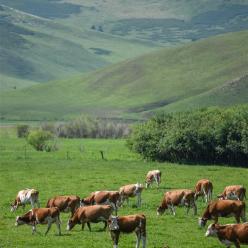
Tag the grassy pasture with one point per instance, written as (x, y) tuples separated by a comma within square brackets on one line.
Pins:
[(83, 172)]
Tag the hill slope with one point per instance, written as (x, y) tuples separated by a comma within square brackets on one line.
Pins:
[(166, 21), (37, 49), (193, 75)]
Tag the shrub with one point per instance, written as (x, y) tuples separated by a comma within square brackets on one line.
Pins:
[(40, 140), (22, 131), (213, 135)]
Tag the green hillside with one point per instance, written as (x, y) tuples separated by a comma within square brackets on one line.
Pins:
[(37, 49), (202, 73), (166, 21)]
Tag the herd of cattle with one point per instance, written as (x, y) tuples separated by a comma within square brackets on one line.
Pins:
[(100, 205)]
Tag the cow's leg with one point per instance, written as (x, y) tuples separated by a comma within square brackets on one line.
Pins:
[(143, 241), (172, 208), (237, 217), (115, 238), (243, 217), (88, 225), (205, 195), (138, 234), (194, 208), (105, 225), (32, 201), (236, 243), (58, 222), (138, 200), (215, 219), (156, 180), (49, 224), (33, 228)]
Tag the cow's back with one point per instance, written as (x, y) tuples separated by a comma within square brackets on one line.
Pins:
[(225, 206)]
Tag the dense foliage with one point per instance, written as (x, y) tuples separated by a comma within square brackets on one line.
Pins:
[(213, 135), (41, 140)]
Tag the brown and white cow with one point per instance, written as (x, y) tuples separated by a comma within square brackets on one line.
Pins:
[(40, 216), (65, 203), (26, 196), (229, 234), (87, 214), (103, 198), (233, 192), (223, 208), (204, 188), (131, 190), (153, 176), (179, 197), (128, 224)]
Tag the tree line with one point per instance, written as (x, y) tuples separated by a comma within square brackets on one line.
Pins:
[(210, 135)]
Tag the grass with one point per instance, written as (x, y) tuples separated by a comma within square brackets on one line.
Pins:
[(84, 172), (39, 49), (134, 88)]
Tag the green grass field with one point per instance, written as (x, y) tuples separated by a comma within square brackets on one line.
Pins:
[(83, 172)]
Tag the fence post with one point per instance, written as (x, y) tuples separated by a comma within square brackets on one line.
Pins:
[(102, 155)]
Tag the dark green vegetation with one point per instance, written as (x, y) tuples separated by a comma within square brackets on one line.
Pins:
[(36, 49), (204, 73), (213, 135), (83, 172)]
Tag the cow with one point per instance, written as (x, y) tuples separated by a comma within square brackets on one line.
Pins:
[(66, 203), (103, 198), (229, 234), (87, 214), (204, 188), (131, 190), (179, 197), (24, 197), (128, 224), (153, 176), (40, 216), (233, 192), (223, 208)]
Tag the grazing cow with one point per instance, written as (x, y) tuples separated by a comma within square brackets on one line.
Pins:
[(26, 196), (180, 197), (67, 203), (153, 176), (87, 214), (233, 192), (103, 198), (40, 216), (128, 224), (223, 208), (229, 234), (204, 188), (131, 190)]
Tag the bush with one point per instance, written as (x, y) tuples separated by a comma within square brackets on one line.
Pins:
[(22, 131), (213, 135), (86, 127), (41, 140)]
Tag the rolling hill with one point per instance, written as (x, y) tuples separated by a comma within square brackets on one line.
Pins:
[(209, 72), (36, 49), (46, 40)]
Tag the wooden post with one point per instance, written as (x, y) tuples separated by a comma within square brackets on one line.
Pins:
[(102, 155)]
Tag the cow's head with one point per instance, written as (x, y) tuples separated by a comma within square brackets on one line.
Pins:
[(19, 221), (160, 210), (211, 231), (113, 223), (13, 207), (202, 222), (70, 225)]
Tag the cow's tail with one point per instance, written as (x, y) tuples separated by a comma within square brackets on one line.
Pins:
[(48, 205)]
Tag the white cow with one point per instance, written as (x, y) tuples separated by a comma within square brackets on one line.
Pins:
[(26, 196), (153, 176)]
